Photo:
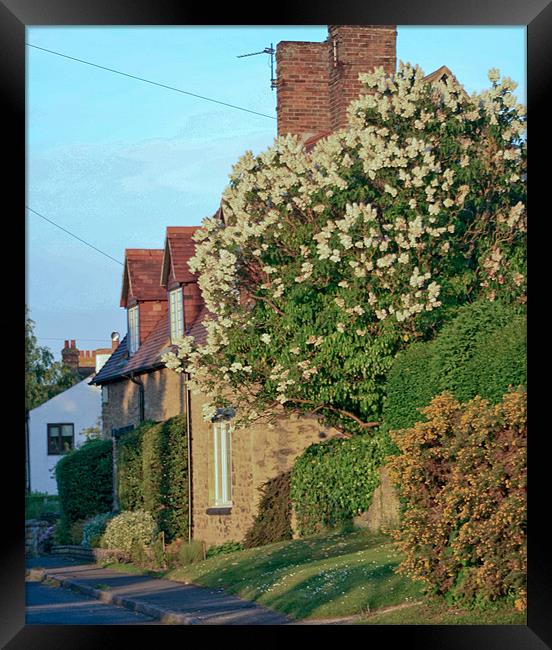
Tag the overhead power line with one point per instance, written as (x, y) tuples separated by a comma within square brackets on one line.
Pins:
[(49, 338), (154, 83), (73, 235)]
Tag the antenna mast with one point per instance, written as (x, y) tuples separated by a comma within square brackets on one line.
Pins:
[(268, 50)]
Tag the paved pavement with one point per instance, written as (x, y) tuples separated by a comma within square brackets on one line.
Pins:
[(167, 601), (52, 606)]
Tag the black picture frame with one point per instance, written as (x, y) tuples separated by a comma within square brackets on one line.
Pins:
[(15, 16)]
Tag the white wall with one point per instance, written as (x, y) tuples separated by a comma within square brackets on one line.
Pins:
[(80, 405)]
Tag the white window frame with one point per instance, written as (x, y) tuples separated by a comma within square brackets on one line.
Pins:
[(133, 329), (176, 311), (222, 463), (105, 394)]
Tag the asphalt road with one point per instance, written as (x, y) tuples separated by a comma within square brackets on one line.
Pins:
[(56, 606)]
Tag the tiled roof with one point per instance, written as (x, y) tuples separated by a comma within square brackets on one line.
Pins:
[(179, 247), (149, 353), (197, 330), (141, 275), (114, 365)]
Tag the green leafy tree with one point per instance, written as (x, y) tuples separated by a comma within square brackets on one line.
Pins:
[(44, 377), (322, 265)]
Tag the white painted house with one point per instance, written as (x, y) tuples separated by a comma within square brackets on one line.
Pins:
[(57, 425)]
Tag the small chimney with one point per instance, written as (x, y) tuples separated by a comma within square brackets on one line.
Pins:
[(317, 81), (115, 336), (70, 356)]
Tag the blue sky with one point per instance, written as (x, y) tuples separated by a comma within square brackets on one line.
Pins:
[(115, 160)]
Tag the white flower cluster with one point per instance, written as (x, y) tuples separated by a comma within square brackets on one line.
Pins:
[(375, 259)]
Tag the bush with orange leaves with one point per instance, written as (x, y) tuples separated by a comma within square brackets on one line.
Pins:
[(462, 477)]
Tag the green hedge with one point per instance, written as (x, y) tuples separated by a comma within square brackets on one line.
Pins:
[(129, 468), (273, 520), (38, 504), (480, 352), (153, 474), (85, 484), (333, 481)]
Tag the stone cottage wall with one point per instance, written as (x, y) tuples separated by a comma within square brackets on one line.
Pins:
[(163, 398), (258, 454)]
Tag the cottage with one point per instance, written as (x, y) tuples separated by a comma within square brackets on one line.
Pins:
[(227, 467), (56, 427), (316, 82)]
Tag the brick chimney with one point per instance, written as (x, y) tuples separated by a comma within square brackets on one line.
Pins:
[(70, 355), (317, 81), (303, 86), (355, 49)]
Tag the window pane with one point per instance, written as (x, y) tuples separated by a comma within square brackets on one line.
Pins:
[(228, 468), (53, 439), (216, 468), (222, 463), (175, 302)]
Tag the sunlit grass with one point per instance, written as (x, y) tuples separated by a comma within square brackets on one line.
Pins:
[(433, 612), (322, 576)]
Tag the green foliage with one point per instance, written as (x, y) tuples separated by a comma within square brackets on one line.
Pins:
[(85, 482), (333, 481), (93, 529), (76, 531), (410, 384), (322, 265), (44, 377), (499, 360), (127, 528), (153, 474), (481, 351), (158, 552), (165, 476), (191, 553), (463, 476), (41, 504), (129, 468), (62, 531), (138, 554), (224, 549), (273, 520)]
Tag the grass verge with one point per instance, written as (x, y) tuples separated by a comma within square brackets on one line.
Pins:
[(434, 612), (329, 576), (323, 576)]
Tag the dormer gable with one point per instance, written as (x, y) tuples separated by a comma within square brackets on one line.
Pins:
[(141, 276), (179, 248), (142, 295), (183, 293)]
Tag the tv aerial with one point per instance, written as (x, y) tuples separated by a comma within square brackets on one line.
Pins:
[(268, 50)]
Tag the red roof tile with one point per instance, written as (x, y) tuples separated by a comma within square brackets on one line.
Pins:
[(179, 248), (197, 330), (141, 275), (149, 353)]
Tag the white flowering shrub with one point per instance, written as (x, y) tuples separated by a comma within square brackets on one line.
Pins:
[(326, 263), (127, 528)]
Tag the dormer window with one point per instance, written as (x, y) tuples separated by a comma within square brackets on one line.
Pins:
[(176, 314), (133, 329)]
